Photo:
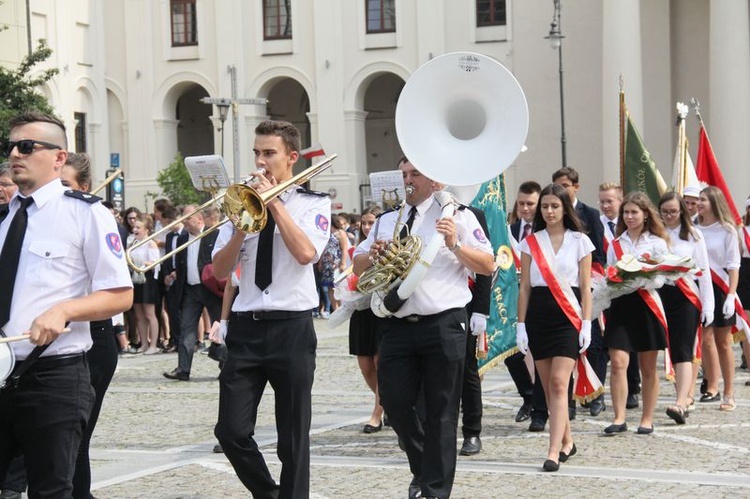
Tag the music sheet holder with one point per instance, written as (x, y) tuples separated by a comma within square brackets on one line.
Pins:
[(207, 173)]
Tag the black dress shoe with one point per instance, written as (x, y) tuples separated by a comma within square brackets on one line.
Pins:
[(616, 428), (471, 446), (645, 430), (597, 406), (571, 412), (550, 465), (178, 375), (564, 457), (415, 489), (523, 413), (218, 449), (537, 425), (372, 429), (632, 402)]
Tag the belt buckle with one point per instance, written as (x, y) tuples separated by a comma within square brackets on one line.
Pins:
[(411, 318), (256, 317)]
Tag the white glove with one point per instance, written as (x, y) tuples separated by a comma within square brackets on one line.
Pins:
[(728, 309), (223, 330), (477, 323), (584, 337), (522, 339), (707, 317)]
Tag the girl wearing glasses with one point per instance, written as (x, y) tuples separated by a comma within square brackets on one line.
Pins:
[(685, 304), (722, 242)]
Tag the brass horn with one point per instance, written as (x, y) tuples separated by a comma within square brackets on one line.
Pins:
[(241, 204)]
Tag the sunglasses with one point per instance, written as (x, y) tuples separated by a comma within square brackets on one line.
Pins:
[(26, 146)]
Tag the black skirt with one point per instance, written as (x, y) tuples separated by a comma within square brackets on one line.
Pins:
[(551, 334), (147, 292), (364, 333), (719, 298), (682, 323), (631, 326), (743, 288)]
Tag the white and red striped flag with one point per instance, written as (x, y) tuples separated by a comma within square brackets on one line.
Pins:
[(312, 151), (708, 171)]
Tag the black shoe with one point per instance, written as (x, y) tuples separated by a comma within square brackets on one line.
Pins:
[(704, 386), (537, 425), (645, 430), (564, 457), (523, 413), (597, 406), (550, 465), (632, 402), (616, 428), (571, 412), (218, 449), (386, 421), (10, 494), (178, 375), (710, 397), (372, 429), (471, 446), (415, 489)]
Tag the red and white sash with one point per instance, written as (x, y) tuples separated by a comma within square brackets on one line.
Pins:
[(588, 386), (653, 302), (722, 281)]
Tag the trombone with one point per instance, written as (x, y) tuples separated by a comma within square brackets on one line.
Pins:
[(241, 204)]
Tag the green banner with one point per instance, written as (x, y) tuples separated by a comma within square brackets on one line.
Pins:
[(640, 172), (501, 325)]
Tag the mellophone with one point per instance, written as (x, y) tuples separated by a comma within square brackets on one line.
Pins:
[(8, 355)]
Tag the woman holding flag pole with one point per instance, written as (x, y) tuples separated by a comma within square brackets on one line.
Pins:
[(722, 242), (555, 303)]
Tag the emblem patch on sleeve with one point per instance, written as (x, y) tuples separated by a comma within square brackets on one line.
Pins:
[(479, 235), (114, 244), (321, 222)]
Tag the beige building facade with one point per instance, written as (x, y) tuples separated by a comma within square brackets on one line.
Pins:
[(132, 73)]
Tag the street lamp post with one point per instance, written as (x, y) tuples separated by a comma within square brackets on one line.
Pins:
[(222, 105), (555, 38)]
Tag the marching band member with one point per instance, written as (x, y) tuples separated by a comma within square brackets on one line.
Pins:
[(717, 226), (270, 336), (555, 303), (61, 255), (424, 343), (685, 304), (636, 321)]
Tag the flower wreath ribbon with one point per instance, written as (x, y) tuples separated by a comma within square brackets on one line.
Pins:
[(588, 386), (653, 302)]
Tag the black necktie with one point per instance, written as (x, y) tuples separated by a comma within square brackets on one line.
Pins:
[(264, 258), (10, 256), (611, 226), (406, 229), (526, 231)]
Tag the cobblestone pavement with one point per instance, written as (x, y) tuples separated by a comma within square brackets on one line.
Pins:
[(155, 440)]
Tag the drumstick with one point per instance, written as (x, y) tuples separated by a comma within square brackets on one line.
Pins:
[(25, 336)]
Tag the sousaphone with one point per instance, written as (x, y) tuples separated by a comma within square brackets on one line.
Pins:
[(461, 119)]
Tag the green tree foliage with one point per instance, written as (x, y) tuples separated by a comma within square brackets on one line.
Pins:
[(18, 88), (176, 185)]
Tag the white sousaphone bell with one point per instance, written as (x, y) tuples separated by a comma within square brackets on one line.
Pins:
[(461, 119)]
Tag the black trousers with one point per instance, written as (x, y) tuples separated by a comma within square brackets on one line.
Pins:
[(45, 416), (282, 353), (194, 299), (471, 392), (429, 353), (172, 301)]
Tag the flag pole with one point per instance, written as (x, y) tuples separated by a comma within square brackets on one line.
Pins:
[(682, 111), (622, 133)]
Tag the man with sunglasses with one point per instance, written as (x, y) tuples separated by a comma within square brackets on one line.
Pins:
[(61, 265)]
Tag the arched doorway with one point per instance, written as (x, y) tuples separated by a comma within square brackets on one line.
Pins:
[(195, 134), (288, 101), (381, 96)]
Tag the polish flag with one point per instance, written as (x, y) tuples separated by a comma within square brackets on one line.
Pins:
[(708, 171), (312, 151)]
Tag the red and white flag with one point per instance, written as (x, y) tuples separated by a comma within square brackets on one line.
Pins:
[(708, 171), (312, 151)]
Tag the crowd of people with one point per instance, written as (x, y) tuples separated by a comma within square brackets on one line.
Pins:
[(255, 296)]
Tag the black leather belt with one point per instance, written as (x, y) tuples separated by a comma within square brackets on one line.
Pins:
[(273, 315), (50, 362), (421, 318)]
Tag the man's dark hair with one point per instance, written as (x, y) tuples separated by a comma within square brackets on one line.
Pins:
[(37, 117), (402, 159), (170, 213), (566, 171), (288, 133), (530, 187)]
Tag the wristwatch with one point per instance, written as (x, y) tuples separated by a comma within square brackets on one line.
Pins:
[(456, 247)]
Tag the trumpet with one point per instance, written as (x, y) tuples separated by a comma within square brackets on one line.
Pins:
[(241, 204)]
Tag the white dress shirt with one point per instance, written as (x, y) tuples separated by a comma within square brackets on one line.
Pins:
[(575, 247), (71, 249), (193, 276), (722, 245), (646, 243), (695, 249), (293, 286), (445, 284)]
